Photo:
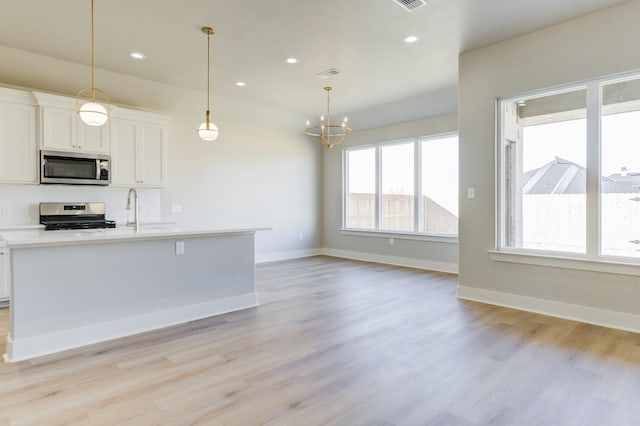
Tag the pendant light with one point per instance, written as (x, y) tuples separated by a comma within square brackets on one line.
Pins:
[(207, 130), (92, 112)]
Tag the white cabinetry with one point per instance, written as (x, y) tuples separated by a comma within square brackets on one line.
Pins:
[(18, 149), (138, 149), (5, 291), (62, 129)]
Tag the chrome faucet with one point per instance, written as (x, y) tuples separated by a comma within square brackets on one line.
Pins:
[(136, 209)]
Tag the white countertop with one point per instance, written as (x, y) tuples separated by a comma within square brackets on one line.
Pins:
[(23, 238)]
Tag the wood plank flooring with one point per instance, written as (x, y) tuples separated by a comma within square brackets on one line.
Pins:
[(338, 342)]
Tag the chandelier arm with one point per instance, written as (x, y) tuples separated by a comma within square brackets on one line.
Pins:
[(328, 108)]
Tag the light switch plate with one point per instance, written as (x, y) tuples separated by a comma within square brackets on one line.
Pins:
[(179, 247), (471, 193)]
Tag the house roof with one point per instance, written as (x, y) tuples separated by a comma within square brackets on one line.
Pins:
[(562, 176)]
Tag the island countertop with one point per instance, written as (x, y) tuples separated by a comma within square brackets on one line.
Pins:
[(24, 238)]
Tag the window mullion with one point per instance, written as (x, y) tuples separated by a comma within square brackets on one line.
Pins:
[(345, 188), (417, 185), (378, 188), (593, 169)]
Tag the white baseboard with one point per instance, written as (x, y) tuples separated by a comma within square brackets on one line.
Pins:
[(602, 317), (408, 262), (286, 255), (428, 265), (30, 347)]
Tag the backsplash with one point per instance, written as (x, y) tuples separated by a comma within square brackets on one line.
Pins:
[(19, 203)]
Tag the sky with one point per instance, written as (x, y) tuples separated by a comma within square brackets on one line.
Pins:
[(568, 140)]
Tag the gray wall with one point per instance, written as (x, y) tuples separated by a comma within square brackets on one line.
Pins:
[(425, 253), (261, 172), (583, 48)]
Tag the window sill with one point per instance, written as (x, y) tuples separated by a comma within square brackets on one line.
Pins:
[(401, 236), (567, 262)]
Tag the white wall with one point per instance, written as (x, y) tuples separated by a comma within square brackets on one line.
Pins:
[(262, 171), (19, 203), (425, 254), (583, 48)]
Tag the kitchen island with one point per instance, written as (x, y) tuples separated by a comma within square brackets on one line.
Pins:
[(79, 287)]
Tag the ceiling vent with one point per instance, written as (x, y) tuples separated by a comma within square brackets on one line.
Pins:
[(328, 73), (411, 5)]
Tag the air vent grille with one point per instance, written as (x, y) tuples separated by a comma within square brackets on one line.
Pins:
[(411, 5), (328, 73)]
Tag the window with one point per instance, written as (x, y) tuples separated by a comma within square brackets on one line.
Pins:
[(408, 187), (439, 194), (545, 176), (361, 188), (620, 184), (398, 186), (569, 173)]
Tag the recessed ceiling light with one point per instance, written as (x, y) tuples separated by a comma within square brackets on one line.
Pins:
[(137, 55), (240, 83), (411, 39), (292, 60)]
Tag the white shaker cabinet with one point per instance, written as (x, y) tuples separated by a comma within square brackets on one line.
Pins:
[(18, 148), (138, 149), (5, 290), (62, 128)]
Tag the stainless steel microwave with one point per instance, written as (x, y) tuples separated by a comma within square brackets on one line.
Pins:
[(74, 168)]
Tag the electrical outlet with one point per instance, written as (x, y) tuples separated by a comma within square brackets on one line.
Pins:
[(391, 242), (176, 208), (179, 247), (301, 237)]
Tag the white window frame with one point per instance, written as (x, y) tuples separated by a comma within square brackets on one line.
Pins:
[(592, 259), (417, 186)]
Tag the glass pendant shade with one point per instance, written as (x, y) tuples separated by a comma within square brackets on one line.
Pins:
[(93, 114), (208, 131)]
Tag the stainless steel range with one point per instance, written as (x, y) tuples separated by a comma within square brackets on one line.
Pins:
[(55, 216)]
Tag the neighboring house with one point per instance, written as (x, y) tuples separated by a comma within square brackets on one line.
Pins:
[(558, 187), (562, 176)]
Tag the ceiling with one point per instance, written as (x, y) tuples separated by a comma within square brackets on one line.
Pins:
[(361, 38)]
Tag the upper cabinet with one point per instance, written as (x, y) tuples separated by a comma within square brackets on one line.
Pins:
[(138, 148), (63, 130), (18, 148), (134, 139)]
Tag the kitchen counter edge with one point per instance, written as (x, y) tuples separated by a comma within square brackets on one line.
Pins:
[(40, 238)]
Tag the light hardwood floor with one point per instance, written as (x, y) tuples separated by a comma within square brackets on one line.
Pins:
[(339, 342)]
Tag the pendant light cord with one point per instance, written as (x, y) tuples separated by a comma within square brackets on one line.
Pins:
[(329, 110), (93, 65), (208, 75)]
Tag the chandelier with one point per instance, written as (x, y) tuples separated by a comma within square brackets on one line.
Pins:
[(207, 130), (92, 112), (329, 134)]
